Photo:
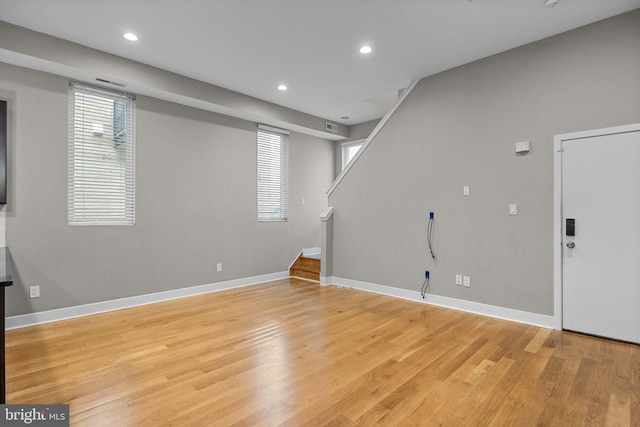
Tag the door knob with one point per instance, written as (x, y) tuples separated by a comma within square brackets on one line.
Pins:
[(571, 244)]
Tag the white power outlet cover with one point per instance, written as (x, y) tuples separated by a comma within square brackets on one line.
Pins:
[(34, 292), (465, 190), (513, 209), (219, 267), (466, 281), (459, 279)]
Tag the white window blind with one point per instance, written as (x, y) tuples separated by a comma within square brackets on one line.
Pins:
[(101, 157), (272, 175), (349, 150)]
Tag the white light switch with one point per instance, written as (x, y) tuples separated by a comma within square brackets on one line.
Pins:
[(513, 209), (522, 147), (219, 267), (466, 281), (465, 190)]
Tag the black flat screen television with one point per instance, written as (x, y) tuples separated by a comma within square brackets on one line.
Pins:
[(3, 152)]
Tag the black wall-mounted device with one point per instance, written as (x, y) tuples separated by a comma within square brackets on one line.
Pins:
[(570, 227)]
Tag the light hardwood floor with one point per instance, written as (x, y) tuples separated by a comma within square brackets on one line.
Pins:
[(294, 353)]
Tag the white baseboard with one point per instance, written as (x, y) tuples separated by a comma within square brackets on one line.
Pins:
[(24, 320), (541, 320), (324, 281)]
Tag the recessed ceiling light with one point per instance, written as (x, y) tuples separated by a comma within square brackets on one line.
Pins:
[(282, 87), (550, 3), (130, 36), (365, 49)]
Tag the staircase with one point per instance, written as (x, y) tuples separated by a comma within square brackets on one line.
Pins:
[(306, 267)]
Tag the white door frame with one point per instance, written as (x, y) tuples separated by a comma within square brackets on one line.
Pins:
[(557, 207)]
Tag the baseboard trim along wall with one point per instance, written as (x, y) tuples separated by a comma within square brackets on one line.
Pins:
[(30, 319), (519, 316), (24, 320)]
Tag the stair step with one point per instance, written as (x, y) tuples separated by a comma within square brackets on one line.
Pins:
[(306, 268), (304, 274), (308, 264)]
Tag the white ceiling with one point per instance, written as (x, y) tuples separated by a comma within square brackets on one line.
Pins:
[(252, 46)]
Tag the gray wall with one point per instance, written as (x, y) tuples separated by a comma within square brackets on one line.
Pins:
[(459, 128), (195, 202)]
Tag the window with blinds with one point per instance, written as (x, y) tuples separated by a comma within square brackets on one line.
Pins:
[(272, 174), (101, 156)]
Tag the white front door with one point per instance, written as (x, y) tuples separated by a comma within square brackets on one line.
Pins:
[(600, 229)]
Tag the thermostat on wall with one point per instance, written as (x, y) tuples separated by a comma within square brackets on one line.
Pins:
[(522, 147)]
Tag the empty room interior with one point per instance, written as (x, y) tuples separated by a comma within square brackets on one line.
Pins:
[(262, 213)]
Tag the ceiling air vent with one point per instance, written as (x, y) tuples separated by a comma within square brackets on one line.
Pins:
[(98, 79), (331, 127)]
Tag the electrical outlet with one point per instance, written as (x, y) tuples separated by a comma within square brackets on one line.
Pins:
[(466, 281), (459, 279), (34, 291), (219, 267)]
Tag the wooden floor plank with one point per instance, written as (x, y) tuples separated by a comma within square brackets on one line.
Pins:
[(619, 408), (291, 352), (635, 385), (537, 342)]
